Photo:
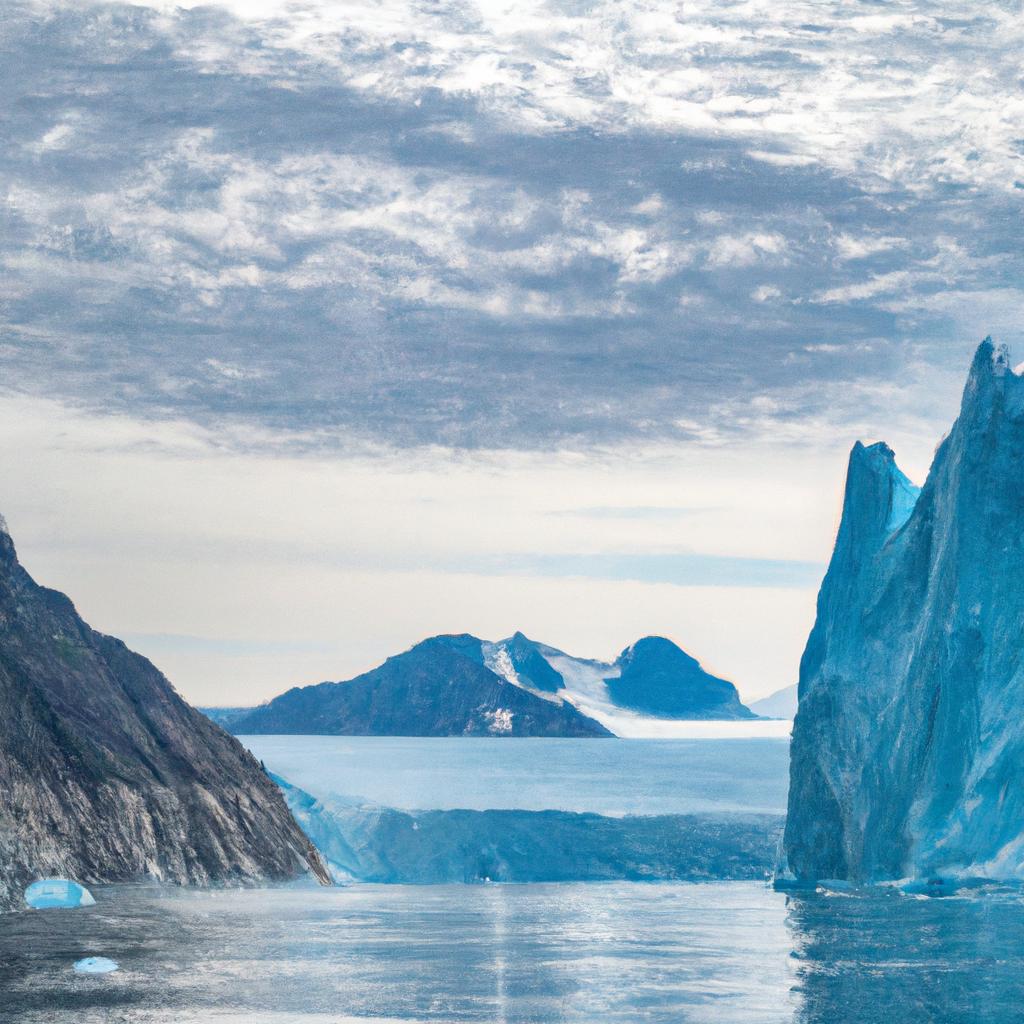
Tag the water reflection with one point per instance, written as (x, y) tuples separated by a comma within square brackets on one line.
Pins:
[(892, 958)]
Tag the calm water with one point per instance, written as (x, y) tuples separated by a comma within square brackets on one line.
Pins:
[(602, 776), (723, 952)]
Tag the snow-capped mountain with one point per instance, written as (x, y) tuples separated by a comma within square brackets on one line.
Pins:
[(651, 679), (441, 687), (908, 740), (457, 685)]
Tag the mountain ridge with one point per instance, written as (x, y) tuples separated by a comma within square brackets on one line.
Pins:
[(556, 689)]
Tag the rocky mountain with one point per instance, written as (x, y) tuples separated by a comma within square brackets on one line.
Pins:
[(780, 704), (106, 774), (655, 677), (459, 685), (522, 660), (441, 687), (908, 740)]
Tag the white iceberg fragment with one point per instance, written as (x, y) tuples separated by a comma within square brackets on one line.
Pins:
[(96, 965), (57, 892)]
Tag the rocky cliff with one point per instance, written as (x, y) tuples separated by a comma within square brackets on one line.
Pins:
[(908, 739), (107, 774)]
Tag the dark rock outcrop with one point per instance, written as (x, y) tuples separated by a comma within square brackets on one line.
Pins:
[(438, 688), (106, 774), (660, 679)]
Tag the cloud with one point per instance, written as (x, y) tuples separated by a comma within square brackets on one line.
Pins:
[(415, 225)]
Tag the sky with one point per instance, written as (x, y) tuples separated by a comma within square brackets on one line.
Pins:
[(328, 326)]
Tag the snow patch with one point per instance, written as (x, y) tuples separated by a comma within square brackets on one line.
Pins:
[(496, 658), (500, 721)]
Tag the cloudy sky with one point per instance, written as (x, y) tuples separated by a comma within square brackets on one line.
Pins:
[(326, 326)]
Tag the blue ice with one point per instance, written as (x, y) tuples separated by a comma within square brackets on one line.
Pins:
[(57, 892), (95, 965)]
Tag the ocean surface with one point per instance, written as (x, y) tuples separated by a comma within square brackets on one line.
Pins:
[(613, 777), (721, 953)]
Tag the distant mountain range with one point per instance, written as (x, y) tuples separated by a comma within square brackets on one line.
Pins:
[(780, 704), (106, 774), (460, 685)]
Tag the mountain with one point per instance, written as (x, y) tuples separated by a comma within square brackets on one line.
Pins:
[(908, 740), (780, 704), (459, 685), (657, 678), (440, 687), (522, 661), (106, 774), (224, 716)]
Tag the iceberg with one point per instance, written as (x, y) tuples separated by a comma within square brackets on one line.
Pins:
[(908, 737), (96, 965), (48, 893)]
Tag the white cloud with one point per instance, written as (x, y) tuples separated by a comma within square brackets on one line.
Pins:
[(877, 284), (746, 249), (946, 88), (782, 159), (857, 247)]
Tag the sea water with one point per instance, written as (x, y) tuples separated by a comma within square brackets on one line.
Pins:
[(602, 776), (720, 953)]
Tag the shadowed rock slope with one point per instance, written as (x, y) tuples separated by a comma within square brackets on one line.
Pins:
[(657, 678), (908, 739), (106, 774)]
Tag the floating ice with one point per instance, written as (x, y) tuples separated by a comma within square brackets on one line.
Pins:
[(57, 892), (96, 965)]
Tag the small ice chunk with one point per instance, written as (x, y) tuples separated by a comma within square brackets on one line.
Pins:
[(95, 965), (57, 892)]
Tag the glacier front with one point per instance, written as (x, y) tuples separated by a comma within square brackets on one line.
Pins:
[(908, 739)]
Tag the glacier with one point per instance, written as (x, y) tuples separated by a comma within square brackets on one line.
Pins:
[(908, 739), (369, 843)]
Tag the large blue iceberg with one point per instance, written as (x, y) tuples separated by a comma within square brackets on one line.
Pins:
[(909, 738), (48, 893)]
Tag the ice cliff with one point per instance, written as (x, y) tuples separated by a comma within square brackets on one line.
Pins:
[(908, 740), (364, 842)]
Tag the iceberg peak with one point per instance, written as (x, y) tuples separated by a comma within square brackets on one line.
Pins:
[(908, 735)]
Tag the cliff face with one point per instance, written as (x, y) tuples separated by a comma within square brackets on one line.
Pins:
[(908, 738), (106, 774), (438, 688)]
